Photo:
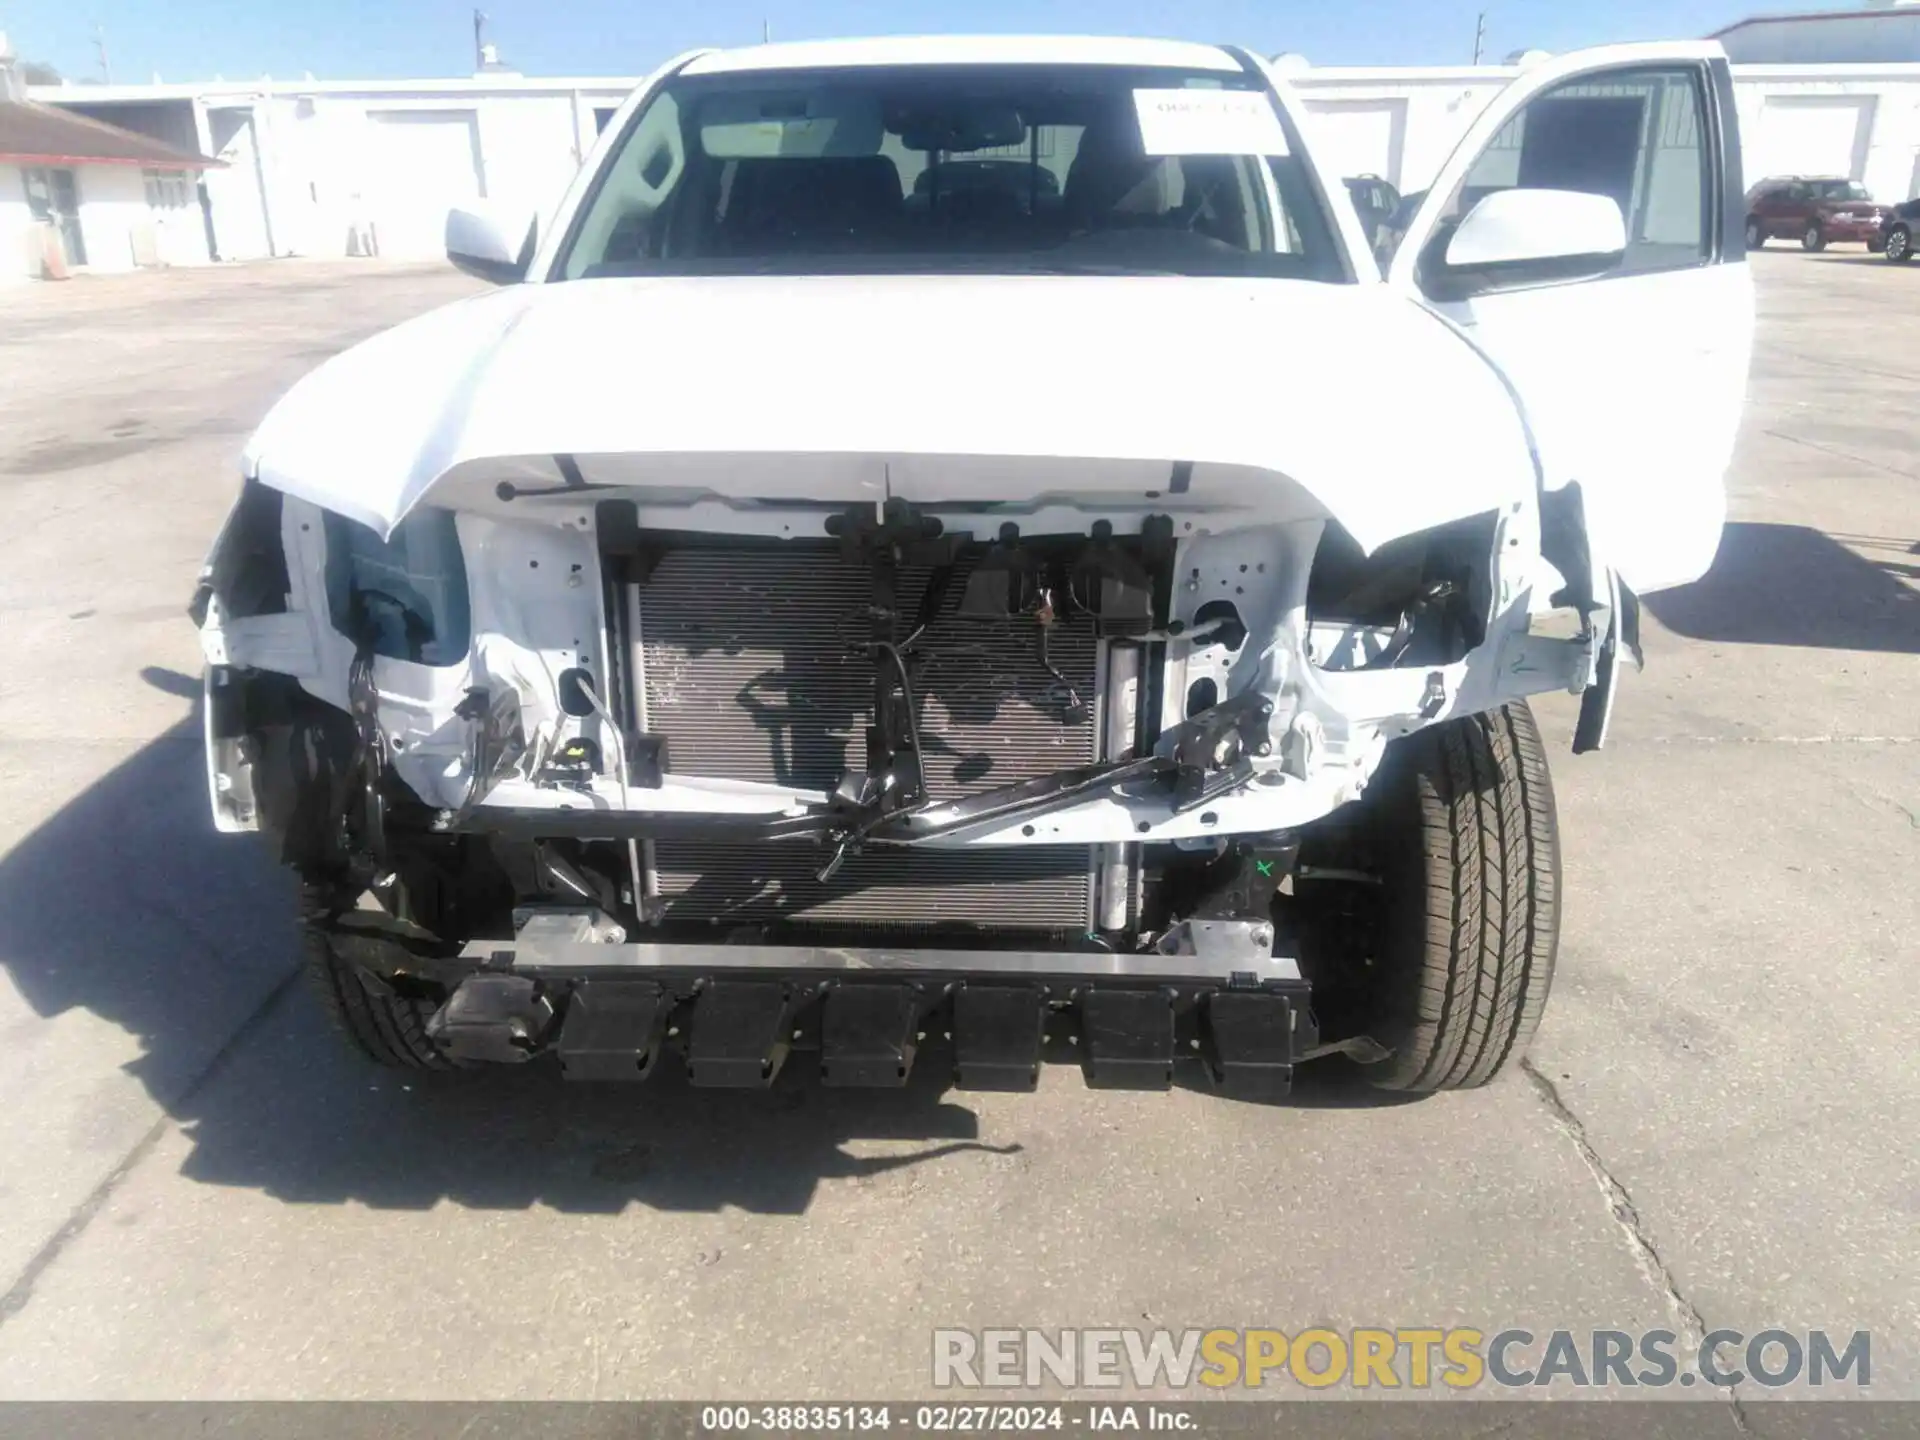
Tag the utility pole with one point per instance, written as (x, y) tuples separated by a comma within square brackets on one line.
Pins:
[(479, 39), (100, 45), (766, 32), (1479, 36)]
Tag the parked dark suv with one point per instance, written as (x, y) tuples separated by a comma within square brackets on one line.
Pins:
[(1896, 231), (1812, 209)]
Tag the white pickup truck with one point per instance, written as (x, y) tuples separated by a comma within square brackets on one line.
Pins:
[(960, 545)]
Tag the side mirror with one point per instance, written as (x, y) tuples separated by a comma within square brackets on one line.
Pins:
[(492, 241), (1530, 236)]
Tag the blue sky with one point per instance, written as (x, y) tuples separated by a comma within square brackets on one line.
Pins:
[(338, 39)]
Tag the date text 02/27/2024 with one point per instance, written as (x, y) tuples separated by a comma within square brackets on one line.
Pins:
[(942, 1419)]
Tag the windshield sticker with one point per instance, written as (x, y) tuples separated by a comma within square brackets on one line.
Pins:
[(1209, 122)]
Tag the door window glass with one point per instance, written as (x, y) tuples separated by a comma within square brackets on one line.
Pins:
[(166, 189), (1637, 137)]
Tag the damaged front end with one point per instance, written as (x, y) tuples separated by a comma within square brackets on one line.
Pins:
[(612, 769)]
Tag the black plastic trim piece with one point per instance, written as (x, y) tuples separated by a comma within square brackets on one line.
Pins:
[(742, 1031), (613, 1030), (869, 1034), (1127, 1039), (997, 1031)]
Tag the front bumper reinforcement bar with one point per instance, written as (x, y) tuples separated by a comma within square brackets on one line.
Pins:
[(735, 1014)]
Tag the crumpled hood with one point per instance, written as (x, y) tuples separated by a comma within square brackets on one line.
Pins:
[(1371, 404)]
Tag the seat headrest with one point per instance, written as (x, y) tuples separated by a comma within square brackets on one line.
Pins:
[(812, 194), (1111, 174)]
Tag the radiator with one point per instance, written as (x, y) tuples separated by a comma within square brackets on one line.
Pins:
[(750, 667)]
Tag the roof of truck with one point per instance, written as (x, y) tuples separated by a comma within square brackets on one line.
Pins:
[(967, 50)]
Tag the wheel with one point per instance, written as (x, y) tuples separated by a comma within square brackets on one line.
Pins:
[(1814, 239), (1756, 237), (1899, 245), (1463, 830), (1875, 244), (382, 1024)]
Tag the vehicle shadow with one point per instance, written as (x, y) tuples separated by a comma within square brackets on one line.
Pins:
[(1333, 1083), (128, 905), (1853, 257), (1793, 585)]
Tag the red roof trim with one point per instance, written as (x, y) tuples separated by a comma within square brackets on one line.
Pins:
[(110, 160), (46, 132)]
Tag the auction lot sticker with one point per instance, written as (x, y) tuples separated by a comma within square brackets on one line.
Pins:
[(1208, 122)]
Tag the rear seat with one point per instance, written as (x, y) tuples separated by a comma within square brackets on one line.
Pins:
[(811, 198)]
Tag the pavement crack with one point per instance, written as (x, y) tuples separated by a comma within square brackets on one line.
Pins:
[(20, 1292), (1691, 1324), (1837, 453)]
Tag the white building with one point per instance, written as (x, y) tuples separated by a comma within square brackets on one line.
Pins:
[(1883, 34), (77, 194), (334, 168), (1837, 94)]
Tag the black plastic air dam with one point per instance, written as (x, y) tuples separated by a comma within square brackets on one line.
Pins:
[(735, 1014)]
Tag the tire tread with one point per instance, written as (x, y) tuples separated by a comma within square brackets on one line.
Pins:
[(389, 1029), (1488, 891)]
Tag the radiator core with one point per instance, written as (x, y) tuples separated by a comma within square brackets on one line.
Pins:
[(751, 666)]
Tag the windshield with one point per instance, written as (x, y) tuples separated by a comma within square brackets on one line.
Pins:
[(1841, 190), (1085, 169)]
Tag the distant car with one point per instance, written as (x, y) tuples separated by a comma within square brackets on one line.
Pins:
[(1896, 231), (1813, 209)]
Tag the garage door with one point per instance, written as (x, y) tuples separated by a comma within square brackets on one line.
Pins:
[(1360, 137), (234, 190), (419, 164), (1812, 135)]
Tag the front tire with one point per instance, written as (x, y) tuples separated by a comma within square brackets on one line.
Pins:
[(1465, 831), (1814, 239), (1899, 245), (380, 1023)]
